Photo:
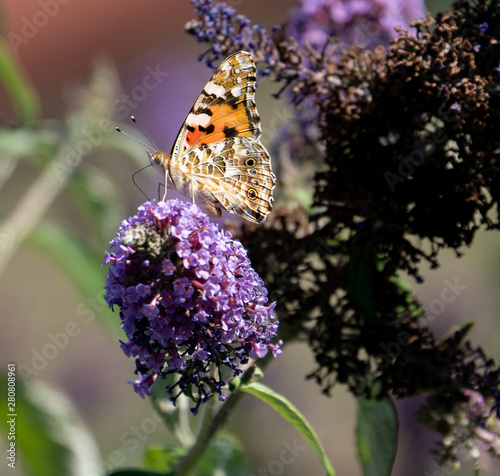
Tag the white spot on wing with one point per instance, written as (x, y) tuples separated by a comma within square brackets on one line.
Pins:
[(236, 91), (198, 119), (212, 88)]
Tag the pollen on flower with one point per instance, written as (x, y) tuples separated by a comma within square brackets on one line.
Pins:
[(189, 300)]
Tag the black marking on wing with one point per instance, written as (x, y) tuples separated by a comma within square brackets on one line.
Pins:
[(230, 132), (207, 130)]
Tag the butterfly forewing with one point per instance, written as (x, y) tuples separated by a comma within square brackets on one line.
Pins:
[(217, 156), (225, 108)]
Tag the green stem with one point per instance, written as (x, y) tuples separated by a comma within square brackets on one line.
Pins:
[(210, 426), (204, 437), (177, 422), (36, 200), (33, 205)]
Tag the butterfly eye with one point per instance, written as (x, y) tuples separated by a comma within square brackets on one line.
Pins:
[(250, 162), (251, 194)]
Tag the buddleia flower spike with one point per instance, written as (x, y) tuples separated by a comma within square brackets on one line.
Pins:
[(190, 303)]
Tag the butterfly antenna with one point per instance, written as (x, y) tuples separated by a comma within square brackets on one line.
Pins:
[(134, 120), (136, 140), (135, 183)]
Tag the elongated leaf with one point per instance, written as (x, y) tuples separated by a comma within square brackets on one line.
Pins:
[(376, 433), (82, 268), (224, 457), (49, 436), (68, 252), (292, 414), (162, 460), (21, 92)]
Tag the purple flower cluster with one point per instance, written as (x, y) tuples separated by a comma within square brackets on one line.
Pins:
[(483, 428), (227, 31), (189, 300), (355, 22)]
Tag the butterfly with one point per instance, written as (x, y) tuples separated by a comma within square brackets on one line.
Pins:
[(218, 157)]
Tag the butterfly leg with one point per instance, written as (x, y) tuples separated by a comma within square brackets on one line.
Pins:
[(165, 185)]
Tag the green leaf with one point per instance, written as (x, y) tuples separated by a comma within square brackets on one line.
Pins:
[(20, 90), (97, 198), (175, 417), (67, 251), (162, 460), (224, 457), (49, 435), (377, 434), (137, 472), (37, 146), (2, 15), (292, 414), (410, 305), (360, 286), (81, 267)]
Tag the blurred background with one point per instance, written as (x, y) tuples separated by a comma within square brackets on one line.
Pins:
[(128, 41)]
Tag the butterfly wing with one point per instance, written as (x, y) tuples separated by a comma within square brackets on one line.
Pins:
[(218, 155), (236, 174)]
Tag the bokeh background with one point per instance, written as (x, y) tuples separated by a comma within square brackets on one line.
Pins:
[(38, 299)]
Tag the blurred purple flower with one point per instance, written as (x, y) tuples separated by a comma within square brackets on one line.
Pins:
[(189, 300), (484, 423), (366, 23)]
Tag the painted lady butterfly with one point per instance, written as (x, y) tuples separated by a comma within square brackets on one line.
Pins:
[(217, 156)]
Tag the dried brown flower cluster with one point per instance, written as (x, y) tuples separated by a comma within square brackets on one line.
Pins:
[(410, 137), (411, 166)]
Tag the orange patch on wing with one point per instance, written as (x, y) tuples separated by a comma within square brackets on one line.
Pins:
[(225, 118), (194, 136)]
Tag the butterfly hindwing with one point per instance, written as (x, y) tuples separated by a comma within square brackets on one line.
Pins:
[(235, 174)]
